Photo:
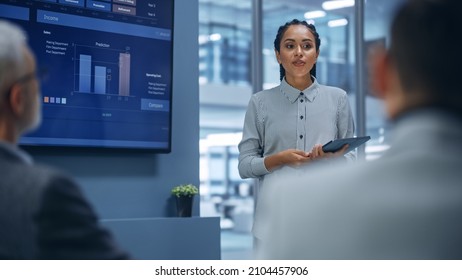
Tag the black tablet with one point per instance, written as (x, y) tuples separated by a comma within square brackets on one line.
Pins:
[(353, 143)]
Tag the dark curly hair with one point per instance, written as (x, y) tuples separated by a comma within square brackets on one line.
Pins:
[(282, 29)]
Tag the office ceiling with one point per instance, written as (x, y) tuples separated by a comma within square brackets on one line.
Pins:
[(226, 10)]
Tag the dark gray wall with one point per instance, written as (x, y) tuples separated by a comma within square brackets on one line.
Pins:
[(130, 184)]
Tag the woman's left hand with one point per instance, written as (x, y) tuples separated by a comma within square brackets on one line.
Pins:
[(318, 153)]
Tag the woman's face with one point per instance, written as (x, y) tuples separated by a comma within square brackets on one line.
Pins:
[(297, 52)]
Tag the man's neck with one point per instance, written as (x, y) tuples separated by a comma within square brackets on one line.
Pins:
[(7, 133)]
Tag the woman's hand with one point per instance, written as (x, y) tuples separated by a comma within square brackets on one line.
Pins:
[(318, 153), (290, 157)]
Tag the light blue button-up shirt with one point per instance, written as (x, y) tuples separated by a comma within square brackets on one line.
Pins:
[(284, 118)]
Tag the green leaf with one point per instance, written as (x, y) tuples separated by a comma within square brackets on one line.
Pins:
[(185, 190)]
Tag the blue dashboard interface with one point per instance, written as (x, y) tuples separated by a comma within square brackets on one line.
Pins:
[(109, 64)]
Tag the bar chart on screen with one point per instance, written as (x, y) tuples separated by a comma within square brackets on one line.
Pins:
[(101, 69)]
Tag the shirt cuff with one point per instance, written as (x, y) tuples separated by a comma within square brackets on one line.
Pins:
[(258, 166)]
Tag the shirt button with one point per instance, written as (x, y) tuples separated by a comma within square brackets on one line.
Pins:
[(301, 117), (301, 100), (301, 93), (301, 136)]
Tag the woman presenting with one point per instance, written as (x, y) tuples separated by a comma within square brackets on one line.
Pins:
[(287, 125)]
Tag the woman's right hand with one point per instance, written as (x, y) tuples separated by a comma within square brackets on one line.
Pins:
[(292, 157)]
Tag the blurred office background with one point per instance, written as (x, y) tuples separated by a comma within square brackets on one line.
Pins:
[(234, 63)]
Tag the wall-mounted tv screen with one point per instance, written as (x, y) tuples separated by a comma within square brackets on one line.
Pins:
[(109, 64)]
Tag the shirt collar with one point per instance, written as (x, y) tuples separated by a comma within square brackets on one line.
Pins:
[(293, 94), (16, 152)]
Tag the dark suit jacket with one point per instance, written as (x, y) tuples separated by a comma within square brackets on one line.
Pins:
[(43, 215)]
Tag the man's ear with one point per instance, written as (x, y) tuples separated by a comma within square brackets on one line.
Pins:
[(379, 68), (16, 99)]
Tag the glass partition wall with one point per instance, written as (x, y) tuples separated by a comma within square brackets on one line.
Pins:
[(225, 64), (225, 39), (377, 17)]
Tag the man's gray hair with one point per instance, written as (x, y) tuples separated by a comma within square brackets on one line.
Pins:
[(12, 64)]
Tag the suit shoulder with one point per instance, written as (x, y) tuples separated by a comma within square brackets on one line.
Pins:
[(43, 172)]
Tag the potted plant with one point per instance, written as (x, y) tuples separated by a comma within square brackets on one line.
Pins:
[(184, 195)]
